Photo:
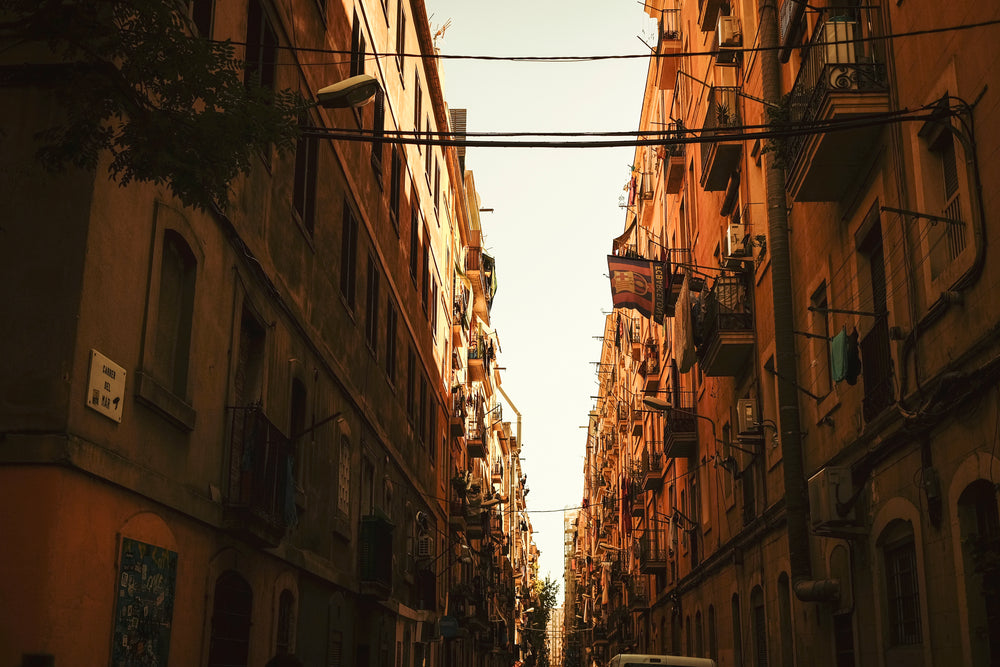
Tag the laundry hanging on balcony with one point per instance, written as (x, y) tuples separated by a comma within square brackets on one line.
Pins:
[(683, 335), (845, 360), (640, 284)]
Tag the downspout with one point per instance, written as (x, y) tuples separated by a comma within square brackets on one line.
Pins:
[(806, 588)]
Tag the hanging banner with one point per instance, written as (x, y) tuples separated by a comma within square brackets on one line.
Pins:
[(640, 284)]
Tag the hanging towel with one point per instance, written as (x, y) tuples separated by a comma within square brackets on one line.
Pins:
[(845, 361), (838, 356), (684, 330)]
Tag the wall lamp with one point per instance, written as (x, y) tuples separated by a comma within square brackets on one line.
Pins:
[(354, 92)]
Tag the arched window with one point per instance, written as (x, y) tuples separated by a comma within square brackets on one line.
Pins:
[(713, 639), (980, 534), (175, 311), (785, 619), (758, 625), (283, 644), (901, 583), (699, 642), (229, 645), (737, 631)]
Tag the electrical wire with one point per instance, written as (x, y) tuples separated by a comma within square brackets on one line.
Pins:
[(736, 133), (597, 57)]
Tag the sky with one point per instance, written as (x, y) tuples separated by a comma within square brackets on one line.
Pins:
[(555, 212)]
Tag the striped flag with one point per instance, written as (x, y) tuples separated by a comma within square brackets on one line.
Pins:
[(640, 284)]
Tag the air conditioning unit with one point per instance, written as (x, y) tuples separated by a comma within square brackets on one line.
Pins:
[(747, 418), (734, 246), (729, 37), (829, 489), (425, 546)]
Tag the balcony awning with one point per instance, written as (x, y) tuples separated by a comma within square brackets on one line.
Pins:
[(621, 241)]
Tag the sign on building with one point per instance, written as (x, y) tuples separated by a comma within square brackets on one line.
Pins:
[(106, 389)]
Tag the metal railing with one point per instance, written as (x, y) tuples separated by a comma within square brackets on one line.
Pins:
[(876, 362), (837, 59), (261, 468)]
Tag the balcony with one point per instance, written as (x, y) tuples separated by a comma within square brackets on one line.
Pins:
[(652, 471), (840, 79), (260, 502), (637, 416), (653, 552), (725, 332), (876, 364), (475, 438), (721, 156), (459, 413), (680, 435), (375, 557), (457, 509), (497, 473), (708, 13), (638, 593), (667, 47)]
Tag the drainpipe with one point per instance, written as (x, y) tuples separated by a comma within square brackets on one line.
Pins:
[(796, 498)]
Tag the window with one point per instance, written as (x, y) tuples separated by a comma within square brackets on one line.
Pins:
[(414, 241), (371, 304), (357, 47), (737, 631), (425, 276), (378, 132), (304, 189), (248, 380), (758, 620), (430, 152), (175, 312), (344, 477), (876, 354), (401, 40), (395, 185), (437, 189), (417, 99), (433, 307), (390, 339), (367, 485), (202, 13), (843, 640), (348, 256), (411, 384), (422, 414), (979, 531), (229, 644), (901, 588), (286, 622), (699, 641), (943, 190), (432, 431), (262, 48), (785, 620), (713, 639), (819, 341)]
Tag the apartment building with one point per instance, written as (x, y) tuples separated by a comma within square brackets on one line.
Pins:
[(228, 434), (796, 464)]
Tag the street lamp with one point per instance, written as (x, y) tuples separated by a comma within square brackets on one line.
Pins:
[(354, 92)]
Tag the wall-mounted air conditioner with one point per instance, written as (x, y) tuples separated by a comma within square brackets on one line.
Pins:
[(829, 491), (734, 245), (729, 35), (747, 419)]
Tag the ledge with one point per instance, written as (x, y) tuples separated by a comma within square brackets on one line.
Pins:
[(163, 401)]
